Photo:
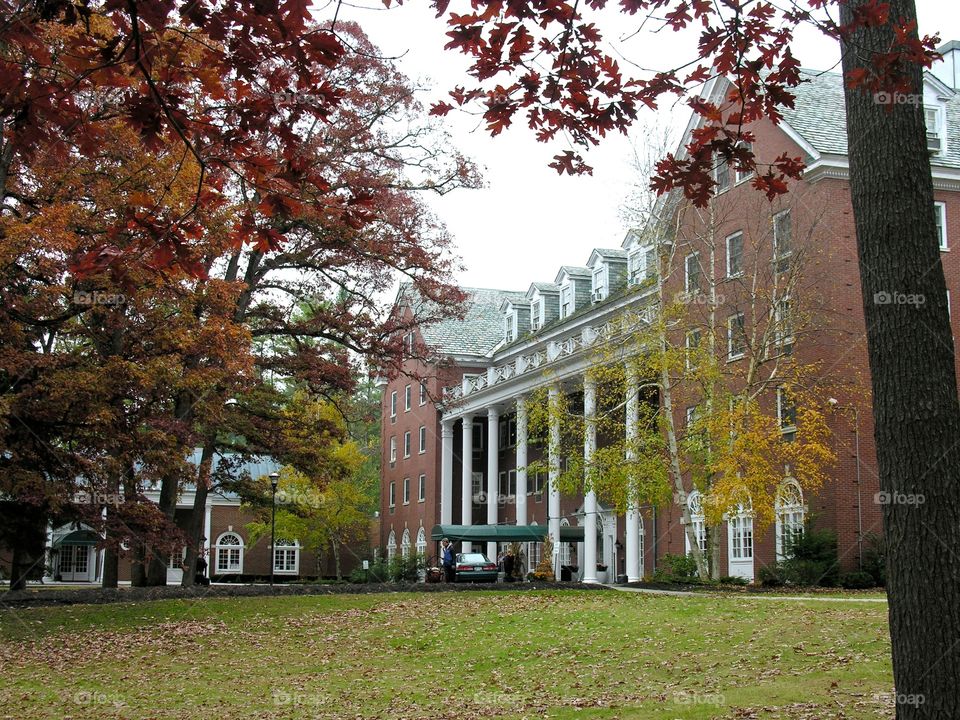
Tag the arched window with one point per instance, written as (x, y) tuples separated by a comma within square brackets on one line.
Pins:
[(741, 534), (391, 545), (790, 515), (286, 557), (229, 553), (405, 543), (695, 505), (421, 541)]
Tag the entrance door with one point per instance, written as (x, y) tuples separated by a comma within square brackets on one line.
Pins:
[(175, 567), (740, 546), (75, 562)]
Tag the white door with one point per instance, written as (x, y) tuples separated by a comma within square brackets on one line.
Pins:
[(175, 567), (76, 563), (740, 546)]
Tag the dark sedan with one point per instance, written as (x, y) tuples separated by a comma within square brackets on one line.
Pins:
[(474, 567)]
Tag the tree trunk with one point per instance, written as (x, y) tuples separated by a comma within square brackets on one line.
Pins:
[(714, 533), (138, 568), (111, 568), (18, 577), (913, 373), (196, 521), (335, 547)]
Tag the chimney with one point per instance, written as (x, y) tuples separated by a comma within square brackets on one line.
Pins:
[(947, 70)]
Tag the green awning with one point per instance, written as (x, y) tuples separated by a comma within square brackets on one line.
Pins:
[(78, 537), (503, 533)]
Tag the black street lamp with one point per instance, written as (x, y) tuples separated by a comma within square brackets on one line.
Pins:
[(274, 481)]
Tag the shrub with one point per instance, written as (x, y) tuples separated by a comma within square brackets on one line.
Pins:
[(771, 576), (812, 559), (676, 568), (857, 580), (733, 580), (875, 559)]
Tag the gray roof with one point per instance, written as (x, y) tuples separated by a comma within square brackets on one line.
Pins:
[(618, 253), (819, 116), (481, 328), (575, 271), (544, 287)]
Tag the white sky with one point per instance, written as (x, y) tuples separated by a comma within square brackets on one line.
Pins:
[(528, 221)]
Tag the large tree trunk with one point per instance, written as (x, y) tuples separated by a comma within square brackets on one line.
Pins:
[(197, 514), (111, 568), (18, 575), (916, 413)]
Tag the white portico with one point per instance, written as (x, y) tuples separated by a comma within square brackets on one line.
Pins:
[(558, 355)]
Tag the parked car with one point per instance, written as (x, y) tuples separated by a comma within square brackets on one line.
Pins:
[(474, 567)]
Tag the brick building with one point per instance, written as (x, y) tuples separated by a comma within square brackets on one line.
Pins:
[(512, 343)]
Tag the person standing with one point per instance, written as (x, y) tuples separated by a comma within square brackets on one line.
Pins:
[(509, 561), (446, 559)]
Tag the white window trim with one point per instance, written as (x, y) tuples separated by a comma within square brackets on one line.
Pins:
[(739, 273), (601, 273), (405, 543), (393, 405), (567, 289), (391, 545), (286, 547), (241, 547), (688, 363), (793, 509), (943, 240), (777, 254), (730, 354), (392, 496), (421, 545), (422, 488), (686, 271), (737, 529), (536, 314), (423, 439), (698, 521), (407, 444), (407, 398), (393, 449), (423, 393), (782, 339), (406, 491), (784, 429), (740, 176)]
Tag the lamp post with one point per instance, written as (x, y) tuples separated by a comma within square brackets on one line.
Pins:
[(856, 439), (274, 480)]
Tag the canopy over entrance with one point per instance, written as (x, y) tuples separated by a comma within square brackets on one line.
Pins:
[(78, 537), (503, 533)]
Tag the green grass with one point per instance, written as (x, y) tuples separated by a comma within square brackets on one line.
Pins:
[(448, 655)]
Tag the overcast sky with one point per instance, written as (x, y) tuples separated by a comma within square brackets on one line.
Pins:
[(528, 221)]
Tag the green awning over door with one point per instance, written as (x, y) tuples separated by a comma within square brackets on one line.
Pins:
[(503, 533)]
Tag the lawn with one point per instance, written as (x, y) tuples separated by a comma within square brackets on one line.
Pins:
[(448, 655)]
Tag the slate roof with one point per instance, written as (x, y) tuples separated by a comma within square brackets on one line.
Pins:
[(576, 271), (820, 117), (544, 287), (618, 253), (481, 328)]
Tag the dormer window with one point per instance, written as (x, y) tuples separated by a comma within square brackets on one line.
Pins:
[(599, 283), (510, 326), (933, 118), (566, 300), (536, 316), (643, 265)]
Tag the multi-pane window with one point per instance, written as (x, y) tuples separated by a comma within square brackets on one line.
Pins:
[(408, 343), (405, 543), (509, 326), (566, 300), (406, 444), (784, 322), (735, 255), (423, 392), (508, 432), (391, 545), (931, 116), (744, 174), (790, 516), (643, 265), (393, 493), (782, 240), (787, 414), (693, 279), (736, 337), (285, 556), (393, 405), (535, 321), (477, 483), (721, 174), (423, 439), (599, 282), (507, 483), (741, 537), (693, 343), (406, 491), (940, 216), (407, 398), (697, 521), (538, 481), (422, 489), (229, 553), (421, 542), (393, 448)]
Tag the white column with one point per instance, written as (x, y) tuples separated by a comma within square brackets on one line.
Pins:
[(521, 461), (553, 495), (466, 462), (207, 531), (590, 497), (446, 472), (493, 473), (633, 510)]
